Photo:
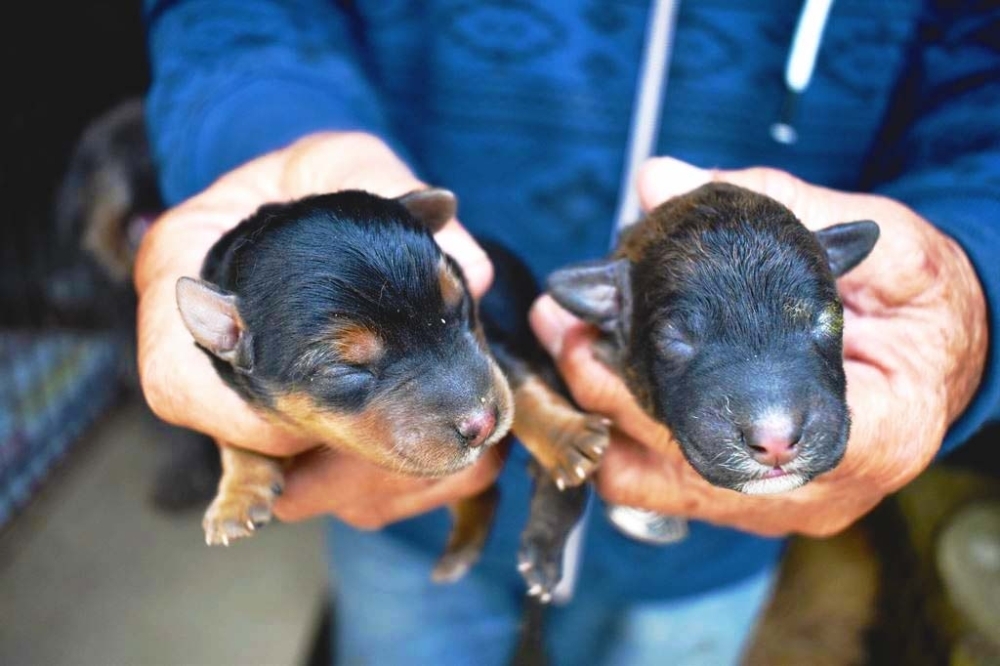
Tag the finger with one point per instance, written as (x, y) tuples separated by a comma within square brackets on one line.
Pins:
[(457, 242), (632, 474), (333, 161), (326, 482), (570, 342), (178, 380), (594, 386), (552, 324), (661, 178), (351, 160), (182, 387)]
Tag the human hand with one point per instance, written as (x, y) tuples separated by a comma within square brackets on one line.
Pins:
[(914, 345), (182, 387)]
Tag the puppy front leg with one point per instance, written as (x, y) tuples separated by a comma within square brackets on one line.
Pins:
[(568, 443), (249, 485)]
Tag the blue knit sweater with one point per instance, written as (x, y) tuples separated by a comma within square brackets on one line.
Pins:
[(522, 108)]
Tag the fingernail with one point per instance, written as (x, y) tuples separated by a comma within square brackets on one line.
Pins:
[(661, 178)]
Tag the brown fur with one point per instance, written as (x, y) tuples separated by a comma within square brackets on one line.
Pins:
[(471, 521), (452, 289), (354, 343), (250, 484), (568, 443)]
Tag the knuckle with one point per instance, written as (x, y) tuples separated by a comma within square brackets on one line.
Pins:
[(366, 520), (607, 486), (157, 395), (616, 489), (370, 523), (827, 529), (593, 388)]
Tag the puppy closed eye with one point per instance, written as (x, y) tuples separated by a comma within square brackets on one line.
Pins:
[(342, 386), (674, 344)]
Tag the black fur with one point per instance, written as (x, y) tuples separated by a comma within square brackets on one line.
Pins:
[(297, 267), (722, 312), (295, 274)]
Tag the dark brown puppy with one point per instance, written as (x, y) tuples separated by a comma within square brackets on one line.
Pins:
[(339, 315), (720, 311)]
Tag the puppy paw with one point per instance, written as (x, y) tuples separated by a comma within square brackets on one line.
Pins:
[(452, 566), (236, 513), (539, 561), (581, 442)]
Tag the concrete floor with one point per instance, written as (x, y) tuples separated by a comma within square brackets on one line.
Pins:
[(91, 574)]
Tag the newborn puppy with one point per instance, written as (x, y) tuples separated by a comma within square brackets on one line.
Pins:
[(720, 311), (339, 315)]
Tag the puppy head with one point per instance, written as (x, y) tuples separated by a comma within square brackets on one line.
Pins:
[(346, 320), (732, 333)]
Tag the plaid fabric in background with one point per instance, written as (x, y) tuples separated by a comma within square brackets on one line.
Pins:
[(53, 386)]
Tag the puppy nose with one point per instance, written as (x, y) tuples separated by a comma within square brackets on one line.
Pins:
[(773, 440), (476, 428)]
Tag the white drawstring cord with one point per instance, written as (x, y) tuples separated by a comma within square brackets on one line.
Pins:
[(639, 524), (801, 64), (647, 107)]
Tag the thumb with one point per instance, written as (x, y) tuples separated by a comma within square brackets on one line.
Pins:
[(552, 324), (661, 178), (456, 241)]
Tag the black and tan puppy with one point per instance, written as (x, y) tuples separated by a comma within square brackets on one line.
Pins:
[(338, 315)]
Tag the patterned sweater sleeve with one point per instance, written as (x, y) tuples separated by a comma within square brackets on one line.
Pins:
[(941, 156), (233, 79)]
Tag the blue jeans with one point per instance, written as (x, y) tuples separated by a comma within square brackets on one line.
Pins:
[(389, 612)]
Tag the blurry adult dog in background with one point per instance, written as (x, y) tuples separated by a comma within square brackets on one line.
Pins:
[(106, 201)]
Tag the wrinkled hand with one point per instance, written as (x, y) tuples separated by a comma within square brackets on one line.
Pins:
[(178, 380), (914, 344)]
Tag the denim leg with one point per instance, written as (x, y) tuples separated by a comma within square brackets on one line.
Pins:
[(388, 611), (710, 629)]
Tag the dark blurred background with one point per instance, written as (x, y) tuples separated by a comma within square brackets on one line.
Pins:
[(64, 64), (102, 560)]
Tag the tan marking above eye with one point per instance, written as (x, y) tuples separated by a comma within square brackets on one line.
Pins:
[(357, 344), (452, 289)]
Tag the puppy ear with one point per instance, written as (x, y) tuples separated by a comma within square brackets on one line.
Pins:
[(433, 206), (847, 244), (214, 321), (599, 293)]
